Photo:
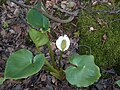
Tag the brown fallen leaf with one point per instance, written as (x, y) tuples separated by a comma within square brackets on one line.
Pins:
[(17, 28), (102, 22), (3, 33), (16, 12), (53, 79), (43, 77), (104, 38)]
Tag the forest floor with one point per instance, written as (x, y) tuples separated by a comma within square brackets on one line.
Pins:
[(14, 36)]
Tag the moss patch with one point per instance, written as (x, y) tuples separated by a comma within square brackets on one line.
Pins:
[(108, 55)]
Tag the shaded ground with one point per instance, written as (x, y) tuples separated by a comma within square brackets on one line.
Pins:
[(14, 36)]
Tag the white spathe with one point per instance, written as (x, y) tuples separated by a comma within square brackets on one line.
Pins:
[(62, 39)]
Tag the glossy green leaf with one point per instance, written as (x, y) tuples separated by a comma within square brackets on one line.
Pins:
[(21, 64), (38, 37), (37, 20), (118, 83), (83, 71)]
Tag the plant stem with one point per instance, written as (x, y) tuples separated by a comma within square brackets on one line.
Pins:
[(61, 53), (52, 55), (38, 50), (49, 67)]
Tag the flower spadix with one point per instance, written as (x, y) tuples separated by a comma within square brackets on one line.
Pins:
[(63, 43)]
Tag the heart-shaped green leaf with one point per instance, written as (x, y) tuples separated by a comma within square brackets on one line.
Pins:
[(84, 72), (37, 20), (38, 37), (21, 64)]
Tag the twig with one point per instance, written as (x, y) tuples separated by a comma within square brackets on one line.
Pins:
[(20, 4), (62, 10), (106, 11), (57, 19), (118, 19), (48, 15), (85, 46), (73, 14)]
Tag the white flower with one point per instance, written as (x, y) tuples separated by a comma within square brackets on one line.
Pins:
[(63, 43)]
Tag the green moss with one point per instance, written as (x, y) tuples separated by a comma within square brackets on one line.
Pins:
[(108, 55)]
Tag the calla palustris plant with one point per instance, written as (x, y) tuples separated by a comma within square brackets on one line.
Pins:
[(22, 64)]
